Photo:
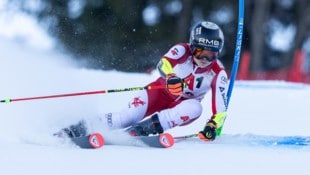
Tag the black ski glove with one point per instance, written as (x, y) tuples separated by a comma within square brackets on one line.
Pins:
[(174, 84), (209, 131)]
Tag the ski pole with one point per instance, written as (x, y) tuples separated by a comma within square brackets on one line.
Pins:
[(186, 136), (235, 64), (8, 100)]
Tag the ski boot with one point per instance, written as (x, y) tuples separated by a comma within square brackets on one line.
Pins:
[(146, 127), (76, 130)]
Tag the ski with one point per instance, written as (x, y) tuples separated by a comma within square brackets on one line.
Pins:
[(92, 141), (163, 140), (96, 140)]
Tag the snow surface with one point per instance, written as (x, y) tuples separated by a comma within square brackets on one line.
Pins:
[(273, 108)]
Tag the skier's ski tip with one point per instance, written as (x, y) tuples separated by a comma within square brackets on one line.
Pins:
[(166, 140), (96, 140)]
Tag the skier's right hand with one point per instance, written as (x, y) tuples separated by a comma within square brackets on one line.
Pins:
[(174, 84)]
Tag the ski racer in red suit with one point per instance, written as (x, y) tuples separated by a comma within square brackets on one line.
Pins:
[(189, 71)]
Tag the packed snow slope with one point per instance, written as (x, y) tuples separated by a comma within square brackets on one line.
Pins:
[(269, 108)]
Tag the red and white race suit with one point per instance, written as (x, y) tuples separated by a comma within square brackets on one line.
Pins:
[(177, 110)]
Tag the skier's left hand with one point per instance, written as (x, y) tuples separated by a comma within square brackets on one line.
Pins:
[(209, 131)]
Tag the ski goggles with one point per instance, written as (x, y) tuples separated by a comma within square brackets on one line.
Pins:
[(210, 57), (206, 58)]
